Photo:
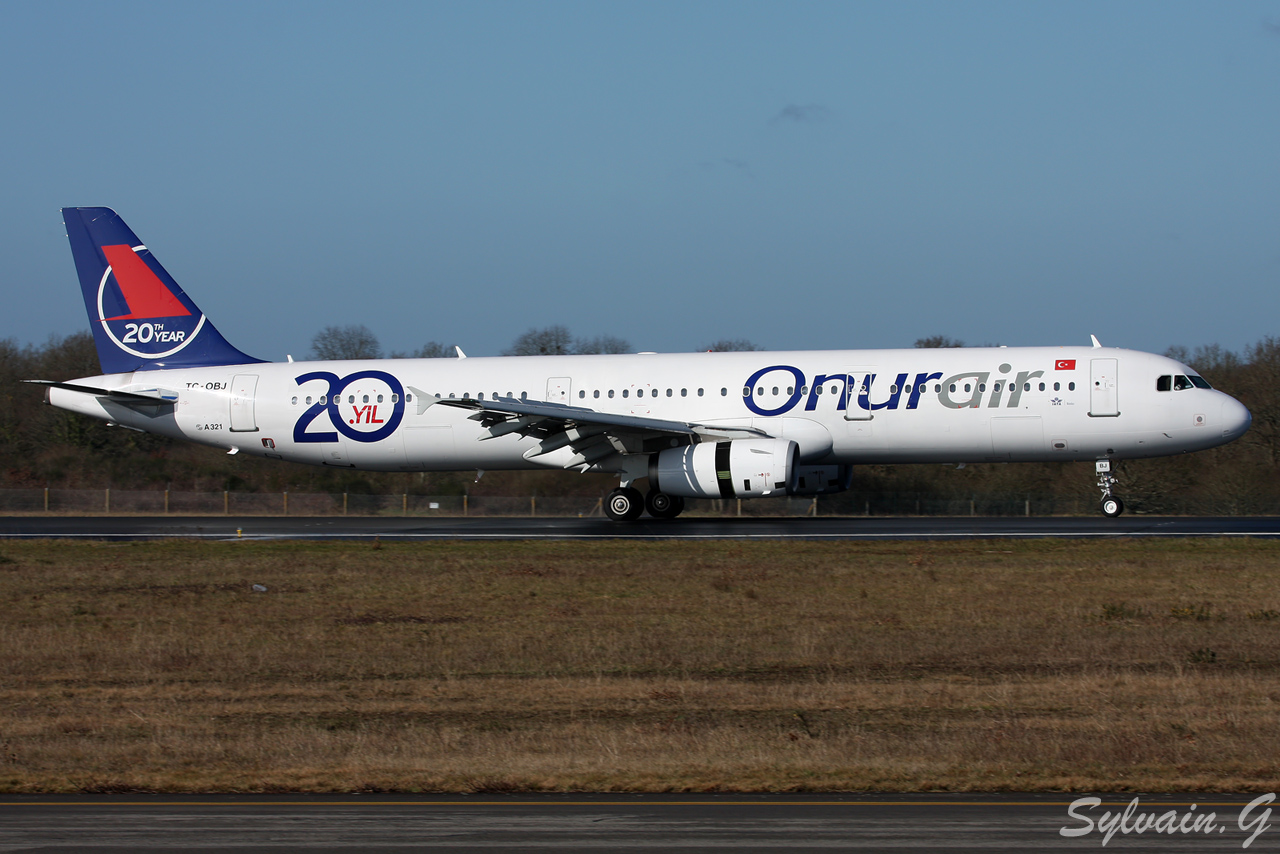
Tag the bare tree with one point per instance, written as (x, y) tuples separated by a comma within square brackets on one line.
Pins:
[(345, 342), (601, 344), (731, 345), (430, 350), (548, 341), (938, 341)]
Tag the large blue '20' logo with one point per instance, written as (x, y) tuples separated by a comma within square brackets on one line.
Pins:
[(356, 416)]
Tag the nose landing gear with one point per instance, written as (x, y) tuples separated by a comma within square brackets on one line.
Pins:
[(1111, 505)]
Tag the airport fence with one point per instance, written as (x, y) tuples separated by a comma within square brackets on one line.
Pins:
[(114, 502)]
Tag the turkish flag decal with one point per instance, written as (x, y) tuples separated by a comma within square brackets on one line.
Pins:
[(1064, 365)]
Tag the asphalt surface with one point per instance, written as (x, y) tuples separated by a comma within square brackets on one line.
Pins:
[(548, 528), (586, 823)]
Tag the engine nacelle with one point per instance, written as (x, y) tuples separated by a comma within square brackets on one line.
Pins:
[(821, 480), (738, 468)]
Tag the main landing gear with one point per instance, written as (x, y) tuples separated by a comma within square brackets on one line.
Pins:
[(625, 504), (663, 506), (1111, 505)]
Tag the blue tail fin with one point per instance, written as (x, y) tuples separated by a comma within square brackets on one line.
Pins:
[(140, 317)]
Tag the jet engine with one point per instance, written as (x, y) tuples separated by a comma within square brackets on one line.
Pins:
[(738, 468)]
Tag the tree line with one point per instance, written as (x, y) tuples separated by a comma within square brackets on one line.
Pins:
[(43, 446), (357, 341)]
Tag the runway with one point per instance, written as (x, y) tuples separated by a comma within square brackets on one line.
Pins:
[(612, 822), (549, 528)]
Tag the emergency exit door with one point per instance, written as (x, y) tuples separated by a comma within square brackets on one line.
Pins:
[(558, 389)]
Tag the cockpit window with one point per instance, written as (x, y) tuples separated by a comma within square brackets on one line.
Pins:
[(1164, 383), (1199, 382), (1181, 383)]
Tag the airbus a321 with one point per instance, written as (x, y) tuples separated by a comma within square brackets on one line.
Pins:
[(691, 425)]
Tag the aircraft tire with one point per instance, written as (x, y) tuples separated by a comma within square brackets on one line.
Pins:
[(624, 504), (1112, 507), (663, 506)]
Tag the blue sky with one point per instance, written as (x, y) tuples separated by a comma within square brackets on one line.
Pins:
[(804, 175)]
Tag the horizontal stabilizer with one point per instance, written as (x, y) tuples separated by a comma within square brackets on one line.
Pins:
[(148, 397)]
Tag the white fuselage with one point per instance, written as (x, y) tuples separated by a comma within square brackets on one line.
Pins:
[(922, 405)]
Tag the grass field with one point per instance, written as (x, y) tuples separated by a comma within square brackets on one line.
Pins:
[(656, 666)]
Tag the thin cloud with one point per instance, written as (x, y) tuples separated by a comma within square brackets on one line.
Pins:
[(800, 113)]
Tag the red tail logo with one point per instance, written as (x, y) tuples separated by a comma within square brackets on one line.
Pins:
[(143, 291)]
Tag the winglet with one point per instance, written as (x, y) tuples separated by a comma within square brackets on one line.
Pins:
[(1096, 342)]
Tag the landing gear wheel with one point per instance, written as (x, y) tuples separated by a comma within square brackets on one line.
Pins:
[(1112, 506), (624, 504), (663, 506)]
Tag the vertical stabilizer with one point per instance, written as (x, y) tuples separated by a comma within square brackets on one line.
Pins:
[(141, 318)]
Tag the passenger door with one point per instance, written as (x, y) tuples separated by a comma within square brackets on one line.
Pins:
[(1103, 398)]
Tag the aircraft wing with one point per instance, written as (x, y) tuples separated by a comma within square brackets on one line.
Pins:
[(578, 436)]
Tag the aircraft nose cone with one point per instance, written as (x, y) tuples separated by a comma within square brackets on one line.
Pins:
[(1235, 418)]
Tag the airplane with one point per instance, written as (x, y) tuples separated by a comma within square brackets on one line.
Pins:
[(691, 425)]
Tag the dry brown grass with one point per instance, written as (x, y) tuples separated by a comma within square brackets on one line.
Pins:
[(640, 666)]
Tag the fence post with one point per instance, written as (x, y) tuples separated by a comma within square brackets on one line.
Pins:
[(813, 507), (533, 505), (344, 504), (404, 504), (866, 511), (972, 508), (106, 501), (226, 503), (46, 499), (739, 506), (1028, 506), (286, 502), (166, 501), (464, 504)]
